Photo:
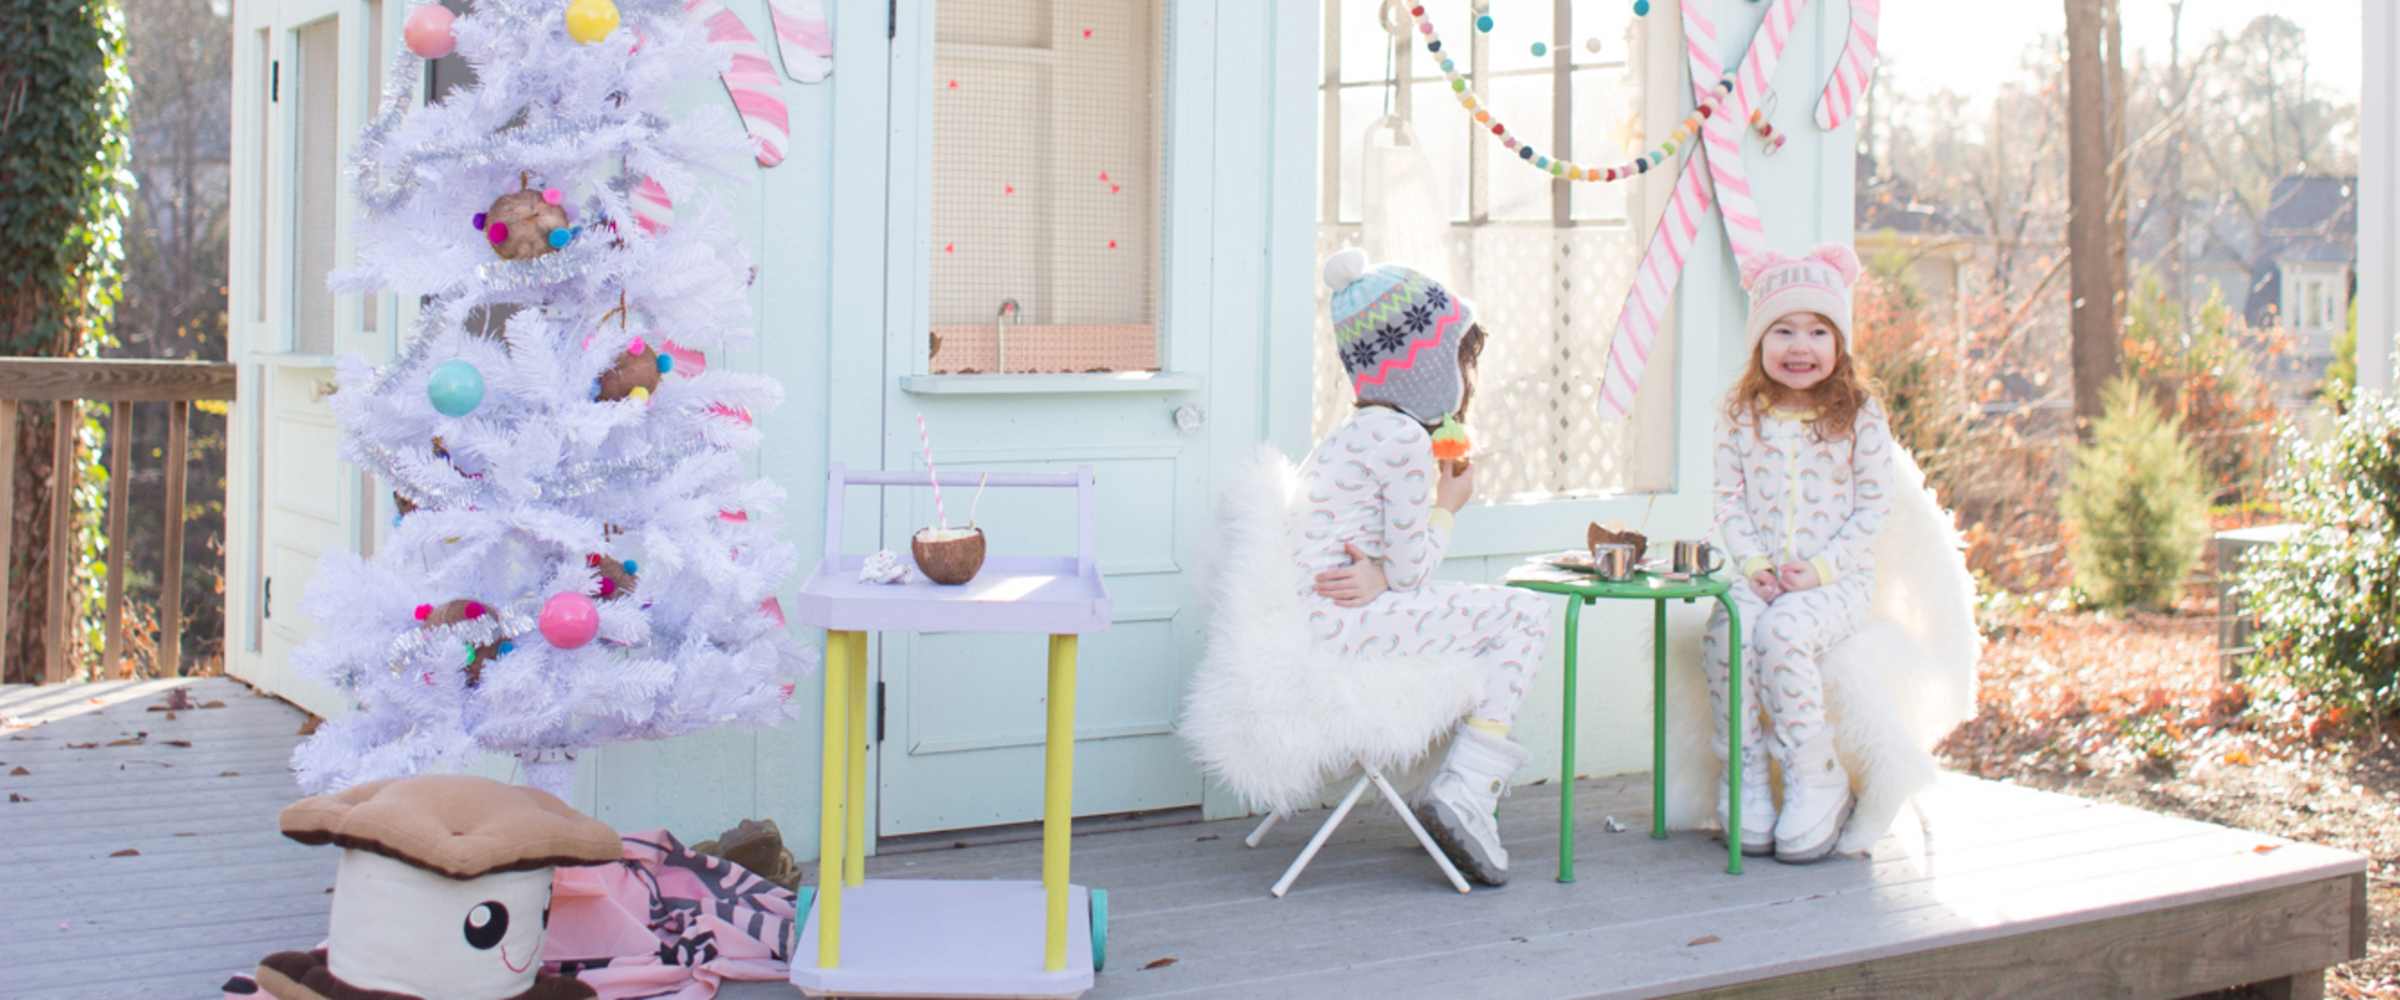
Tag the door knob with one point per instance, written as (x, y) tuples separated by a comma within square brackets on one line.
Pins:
[(1189, 418)]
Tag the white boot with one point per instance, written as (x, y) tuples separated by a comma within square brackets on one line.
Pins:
[(1816, 802), (1457, 804), (1758, 804)]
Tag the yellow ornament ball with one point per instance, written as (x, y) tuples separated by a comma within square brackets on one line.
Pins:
[(589, 21)]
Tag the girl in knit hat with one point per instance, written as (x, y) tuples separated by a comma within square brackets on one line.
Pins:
[(1803, 467), (1378, 516)]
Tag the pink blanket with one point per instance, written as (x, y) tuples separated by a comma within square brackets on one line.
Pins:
[(661, 924), (667, 923)]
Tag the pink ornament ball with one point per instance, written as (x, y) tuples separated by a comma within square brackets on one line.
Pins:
[(428, 31), (569, 620)]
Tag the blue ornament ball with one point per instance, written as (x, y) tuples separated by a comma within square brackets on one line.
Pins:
[(1641, 8), (1483, 23), (1540, 49), (456, 388)]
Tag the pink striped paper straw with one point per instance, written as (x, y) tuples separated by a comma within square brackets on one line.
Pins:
[(941, 519)]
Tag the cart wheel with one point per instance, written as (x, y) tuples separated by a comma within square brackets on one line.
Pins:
[(1099, 929)]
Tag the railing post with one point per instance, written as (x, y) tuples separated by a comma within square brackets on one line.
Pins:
[(8, 521), (62, 532), (120, 476), (170, 586)]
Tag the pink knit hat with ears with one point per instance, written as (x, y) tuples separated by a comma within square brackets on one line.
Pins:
[(1819, 282)]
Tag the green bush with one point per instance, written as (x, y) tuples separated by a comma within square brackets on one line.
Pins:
[(2327, 600), (2136, 505)]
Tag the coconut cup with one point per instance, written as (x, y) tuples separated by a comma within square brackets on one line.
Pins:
[(950, 561)]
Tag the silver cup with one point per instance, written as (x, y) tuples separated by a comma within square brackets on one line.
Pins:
[(1697, 558), (1612, 561)]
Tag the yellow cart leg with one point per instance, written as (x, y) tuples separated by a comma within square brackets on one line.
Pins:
[(1058, 798), (854, 853), (834, 782)]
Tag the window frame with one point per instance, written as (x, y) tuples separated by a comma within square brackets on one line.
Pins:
[(1652, 56)]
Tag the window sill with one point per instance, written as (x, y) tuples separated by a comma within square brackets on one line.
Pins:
[(1122, 383)]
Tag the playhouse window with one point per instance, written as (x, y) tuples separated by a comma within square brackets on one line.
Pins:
[(317, 146), (1547, 262), (1046, 186)]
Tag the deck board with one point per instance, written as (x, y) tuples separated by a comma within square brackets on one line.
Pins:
[(1983, 897)]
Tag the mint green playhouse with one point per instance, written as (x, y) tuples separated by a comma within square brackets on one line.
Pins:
[(1086, 233)]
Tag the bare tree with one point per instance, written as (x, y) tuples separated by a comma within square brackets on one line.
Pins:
[(2095, 214)]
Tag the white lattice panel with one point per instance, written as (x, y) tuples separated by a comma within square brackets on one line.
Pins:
[(1547, 298)]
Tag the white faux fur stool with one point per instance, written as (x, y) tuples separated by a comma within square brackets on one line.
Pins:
[(1276, 720)]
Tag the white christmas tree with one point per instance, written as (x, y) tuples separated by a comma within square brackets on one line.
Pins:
[(582, 556)]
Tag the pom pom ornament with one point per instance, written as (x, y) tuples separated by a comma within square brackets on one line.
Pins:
[(569, 620), (428, 31), (589, 21), (455, 389), (521, 226)]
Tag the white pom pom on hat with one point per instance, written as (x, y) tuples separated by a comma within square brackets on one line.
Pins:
[(1344, 267)]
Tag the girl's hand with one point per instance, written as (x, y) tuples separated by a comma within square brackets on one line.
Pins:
[(1355, 585), (1799, 576), (1768, 586), (1454, 485)]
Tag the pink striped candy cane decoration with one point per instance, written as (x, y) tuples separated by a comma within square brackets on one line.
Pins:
[(1854, 72), (652, 209), (750, 79), (803, 38), (1718, 156)]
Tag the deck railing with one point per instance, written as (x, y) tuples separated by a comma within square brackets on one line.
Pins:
[(66, 386)]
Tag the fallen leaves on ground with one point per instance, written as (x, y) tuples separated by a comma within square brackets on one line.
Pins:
[(14, 797), (1158, 963), (308, 726), (2135, 709), (229, 774), (180, 743), (126, 853), (177, 700), (94, 745), (1701, 940), (18, 772)]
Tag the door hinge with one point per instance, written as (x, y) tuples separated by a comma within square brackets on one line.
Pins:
[(266, 598), (879, 711), (274, 80), (891, 19)]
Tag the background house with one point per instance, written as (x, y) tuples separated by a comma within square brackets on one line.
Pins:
[(1150, 186)]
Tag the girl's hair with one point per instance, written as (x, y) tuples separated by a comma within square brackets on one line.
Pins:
[(1836, 400), (1470, 348)]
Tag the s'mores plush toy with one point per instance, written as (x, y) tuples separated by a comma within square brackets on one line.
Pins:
[(443, 891)]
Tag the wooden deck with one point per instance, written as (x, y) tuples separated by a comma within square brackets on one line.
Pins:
[(2002, 892)]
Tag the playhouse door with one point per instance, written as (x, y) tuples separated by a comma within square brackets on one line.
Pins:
[(1049, 324)]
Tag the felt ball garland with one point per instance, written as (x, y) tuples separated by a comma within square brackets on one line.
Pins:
[(1680, 136)]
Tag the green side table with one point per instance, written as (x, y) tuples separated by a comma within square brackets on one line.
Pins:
[(1581, 589)]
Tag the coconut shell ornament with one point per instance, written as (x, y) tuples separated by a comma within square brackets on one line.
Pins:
[(463, 610), (525, 224), (636, 373), (616, 577)]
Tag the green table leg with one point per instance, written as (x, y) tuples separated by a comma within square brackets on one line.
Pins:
[(1658, 721), (1733, 738), (1566, 753)]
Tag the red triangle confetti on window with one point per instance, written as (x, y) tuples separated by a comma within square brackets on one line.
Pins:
[(1087, 32), (1112, 189), (949, 248), (954, 85), (1104, 177), (1008, 189), (1112, 244)]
